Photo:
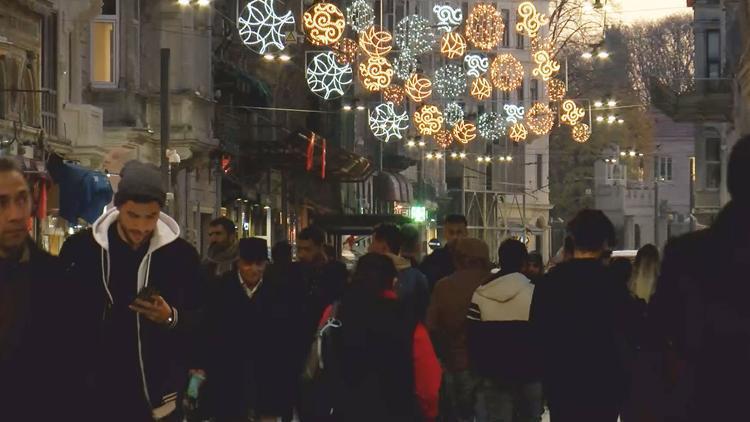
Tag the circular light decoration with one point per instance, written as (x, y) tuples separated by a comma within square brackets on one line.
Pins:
[(453, 113), (546, 66), (450, 81), (346, 51), (514, 113), (376, 41), (326, 77), (556, 89), (572, 114), (448, 17), (428, 119), (518, 132), (464, 132), (484, 26), (481, 88), (529, 20), (394, 94), (539, 118), (476, 64), (260, 28), (324, 23), (491, 126), (385, 123), (414, 36), (418, 87), (404, 66), (506, 72), (581, 132), (375, 73), (443, 138), (360, 15), (452, 45)]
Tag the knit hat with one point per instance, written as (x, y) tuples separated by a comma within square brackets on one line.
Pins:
[(253, 249), (141, 181), (472, 248)]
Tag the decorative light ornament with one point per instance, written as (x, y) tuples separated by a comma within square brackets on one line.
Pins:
[(452, 45), (484, 26), (443, 138), (346, 51), (556, 89), (394, 94), (376, 41), (491, 126), (464, 132), (385, 123), (448, 17), (546, 65), (540, 119), (360, 15), (514, 113), (376, 73), (530, 21), (476, 64), (450, 81), (418, 87), (260, 27), (428, 119), (326, 77), (572, 114), (581, 132), (324, 23), (481, 88), (453, 113), (518, 132), (506, 72), (414, 36), (404, 66)]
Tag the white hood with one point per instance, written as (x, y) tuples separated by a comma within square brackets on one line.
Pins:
[(167, 230), (504, 288), (506, 298)]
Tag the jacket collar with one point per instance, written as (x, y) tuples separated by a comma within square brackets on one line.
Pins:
[(167, 230)]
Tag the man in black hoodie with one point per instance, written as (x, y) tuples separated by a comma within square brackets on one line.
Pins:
[(439, 264)]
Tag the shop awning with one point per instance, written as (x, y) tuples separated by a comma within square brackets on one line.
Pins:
[(356, 224), (392, 187)]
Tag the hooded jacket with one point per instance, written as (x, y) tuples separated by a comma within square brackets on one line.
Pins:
[(411, 287), (172, 266), (500, 340)]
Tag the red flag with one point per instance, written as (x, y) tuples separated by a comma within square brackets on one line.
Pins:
[(323, 161), (310, 151)]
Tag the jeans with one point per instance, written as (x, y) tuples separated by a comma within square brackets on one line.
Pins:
[(458, 396), (509, 402)]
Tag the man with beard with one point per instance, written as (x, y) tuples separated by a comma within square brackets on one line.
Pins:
[(222, 252)]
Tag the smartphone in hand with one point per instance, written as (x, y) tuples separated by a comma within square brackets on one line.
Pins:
[(147, 293)]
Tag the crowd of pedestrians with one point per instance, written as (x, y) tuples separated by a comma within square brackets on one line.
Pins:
[(129, 324)]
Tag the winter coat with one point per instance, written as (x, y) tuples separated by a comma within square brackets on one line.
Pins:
[(446, 316), (411, 286), (437, 265), (172, 266), (501, 342)]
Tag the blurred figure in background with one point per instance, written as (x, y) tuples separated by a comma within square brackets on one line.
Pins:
[(439, 264), (223, 252), (281, 253), (534, 267), (645, 272), (410, 247)]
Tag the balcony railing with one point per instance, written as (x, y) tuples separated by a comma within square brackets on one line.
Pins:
[(49, 112)]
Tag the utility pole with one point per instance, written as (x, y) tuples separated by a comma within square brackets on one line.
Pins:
[(656, 212), (165, 121)]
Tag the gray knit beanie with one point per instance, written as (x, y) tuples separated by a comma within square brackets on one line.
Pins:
[(140, 182)]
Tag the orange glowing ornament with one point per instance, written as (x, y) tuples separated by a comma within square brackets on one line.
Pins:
[(376, 73), (418, 87), (346, 51), (428, 119), (394, 94), (464, 132), (376, 41), (484, 26), (518, 132), (452, 45), (324, 23), (481, 88), (443, 138)]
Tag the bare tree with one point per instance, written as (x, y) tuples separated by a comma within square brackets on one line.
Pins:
[(575, 26)]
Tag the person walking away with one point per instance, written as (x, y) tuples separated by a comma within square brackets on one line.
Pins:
[(502, 348), (439, 264), (576, 312), (222, 252), (645, 272), (411, 286), (410, 246), (534, 267), (388, 366), (700, 309), (139, 304), (446, 320), (281, 253)]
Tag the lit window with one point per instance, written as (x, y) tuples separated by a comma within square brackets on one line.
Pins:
[(104, 43), (663, 168)]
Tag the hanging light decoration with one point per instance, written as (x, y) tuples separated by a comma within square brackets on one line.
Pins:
[(506, 72), (404, 66), (443, 138), (453, 113), (481, 88), (326, 77), (572, 114), (360, 15), (484, 26), (414, 36), (376, 73), (452, 45), (428, 119), (385, 123), (518, 132), (514, 113), (556, 89), (491, 126), (529, 20), (581, 132), (546, 66), (540, 119), (376, 41), (324, 23), (418, 87), (448, 17), (476, 64), (464, 132), (346, 51), (450, 81), (394, 94), (260, 28)]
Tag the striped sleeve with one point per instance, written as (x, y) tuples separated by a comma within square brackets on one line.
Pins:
[(474, 313)]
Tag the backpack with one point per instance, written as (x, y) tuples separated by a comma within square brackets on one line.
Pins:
[(323, 382)]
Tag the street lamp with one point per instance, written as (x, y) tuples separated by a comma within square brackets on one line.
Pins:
[(462, 155), (360, 108), (204, 3), (284, 57), (599, 119), (587, 55), (347, 107), (268, 57), (411, 144), (603, 54), (611, 103), (421, 144), (183, 2), (620, 121), (598, 104), (454, 154), (438, 155)]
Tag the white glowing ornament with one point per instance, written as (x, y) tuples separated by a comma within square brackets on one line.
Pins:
[(385, 123), (476, 64), (452, 114), (450, 81), (514, 113), (490, 126), (260, 28), (414, 36), (360, 15), (326, 77), (404, 66), (448, 17)]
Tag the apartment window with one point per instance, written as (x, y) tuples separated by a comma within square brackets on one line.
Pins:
[(104, 46), (520, 92), (534, 90), (539, 171), (713, 54), (506, 97), (520, 40), (506, 31), (713, 163), (663, 168)]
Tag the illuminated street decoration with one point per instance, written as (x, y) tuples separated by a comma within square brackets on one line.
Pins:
[(490, 126), (260, 28), (581, 132), (418, 87), (375, 73), (360, 15), (546, 65), (404, 66), (428, 119), (518, 132), (414, 36), (394, 94), (514, 113), (385, 123), (326, 77), (484, 26), (506, 72), (556, 89), (540, 119), (530, 21), (452, 45), (481, 88), (464, 132), (346, 51), (452, 113), (450, 81), (448, 17), (324, 23), (476, 64), (376, 41), (572, 114), (443, 138)]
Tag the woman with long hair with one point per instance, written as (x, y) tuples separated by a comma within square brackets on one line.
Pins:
[(645, 272)]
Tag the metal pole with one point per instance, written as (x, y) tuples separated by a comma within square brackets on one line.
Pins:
[(164, 110), (656, 212)]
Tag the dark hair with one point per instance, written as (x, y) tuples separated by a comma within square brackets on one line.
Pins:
[(591, 230), (224, 222), (738, 171), (456, 219), (391, 235), (330, 252), (409, 238), (621, 270), (313, 234), (568, 246), (512, 255), (281, 252), (9, 164), (535, 258), (138, 198), (373, 274)]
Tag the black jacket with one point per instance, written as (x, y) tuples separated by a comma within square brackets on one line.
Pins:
[(437, 265), (172, 266)]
